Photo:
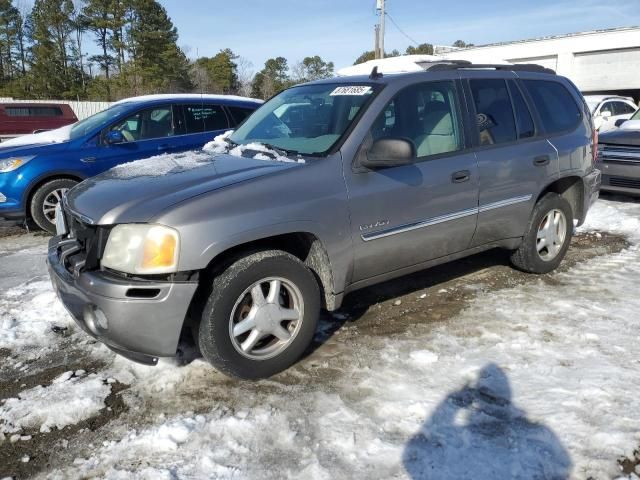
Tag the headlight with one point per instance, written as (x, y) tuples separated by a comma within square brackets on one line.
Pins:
[(9, 164), (142, 249)]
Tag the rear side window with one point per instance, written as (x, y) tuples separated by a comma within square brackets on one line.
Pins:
[(239, 113), (524, 121), (494, 114), (621, 108), (33, 111), (557, 108), (204, 118)]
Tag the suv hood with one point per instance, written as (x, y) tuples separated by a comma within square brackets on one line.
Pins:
[(622, 136), (138, 191), (7, 151)]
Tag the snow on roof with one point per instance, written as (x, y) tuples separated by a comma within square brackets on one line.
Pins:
[(403, 63), (193, 96)]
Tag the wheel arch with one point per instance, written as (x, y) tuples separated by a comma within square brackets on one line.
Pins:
[(305, 246), (572, 189), (33, 188)]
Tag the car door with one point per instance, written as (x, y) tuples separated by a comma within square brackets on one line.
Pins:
[(514, 159), (147, 132), (405, 215)]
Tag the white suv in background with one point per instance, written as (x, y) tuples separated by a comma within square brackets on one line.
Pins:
[(608, 109)]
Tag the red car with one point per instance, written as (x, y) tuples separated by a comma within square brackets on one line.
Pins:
[(22, 118)]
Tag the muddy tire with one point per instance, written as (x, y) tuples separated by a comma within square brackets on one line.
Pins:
[(44, 201), (261, 315), (548, 236)]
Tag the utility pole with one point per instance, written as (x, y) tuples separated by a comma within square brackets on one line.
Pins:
[(376, 42), (380, 29)]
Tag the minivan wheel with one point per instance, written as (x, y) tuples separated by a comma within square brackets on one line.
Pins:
[(44, 202), (548, 236), (261, 315)]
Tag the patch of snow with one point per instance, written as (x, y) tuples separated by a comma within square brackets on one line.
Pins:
[(220, 145), (402, 63), (187, 96), (67, 401), (161, 165), (59, 135)]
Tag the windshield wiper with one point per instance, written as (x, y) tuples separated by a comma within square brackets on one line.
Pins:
[(279, 150)]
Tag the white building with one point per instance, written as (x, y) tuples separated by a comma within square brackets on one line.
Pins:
[(604, 61)]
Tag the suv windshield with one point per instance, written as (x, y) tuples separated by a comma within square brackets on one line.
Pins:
[(309, 119), (98, 120)]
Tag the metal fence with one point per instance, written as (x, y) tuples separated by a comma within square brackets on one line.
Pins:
[(81, 109)]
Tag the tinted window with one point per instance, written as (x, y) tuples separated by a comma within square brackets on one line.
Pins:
[(621, 108), (494, 114), (523, 116), (147, 124), (33, 111), (557, 108), (239, 113), (204, 118), (607, 107), (426, 114)]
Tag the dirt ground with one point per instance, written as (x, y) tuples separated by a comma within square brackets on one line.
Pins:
[(397, 308)]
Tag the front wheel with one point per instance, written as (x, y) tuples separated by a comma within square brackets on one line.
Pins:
[(46, 199), (261, 315), (548, 236)]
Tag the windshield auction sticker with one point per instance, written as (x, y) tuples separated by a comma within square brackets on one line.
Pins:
[(352, 90)]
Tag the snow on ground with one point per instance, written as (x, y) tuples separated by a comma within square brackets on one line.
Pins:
[(71, 398), (534, 381)]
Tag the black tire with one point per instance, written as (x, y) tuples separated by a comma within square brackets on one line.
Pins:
[(214, 336), (527, 258), (38, 200)]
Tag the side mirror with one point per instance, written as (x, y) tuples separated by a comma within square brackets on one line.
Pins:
[(620, 121), (389, 152), (606, 114), (114, 136)]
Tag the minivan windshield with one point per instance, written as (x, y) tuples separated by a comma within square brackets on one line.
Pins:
[(309, 119), (100, 119)]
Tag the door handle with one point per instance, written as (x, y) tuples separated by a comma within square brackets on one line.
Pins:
[(541, 160), (88, 160), (461, 176)]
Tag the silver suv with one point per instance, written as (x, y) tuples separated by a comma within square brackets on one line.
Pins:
[(329, 187)]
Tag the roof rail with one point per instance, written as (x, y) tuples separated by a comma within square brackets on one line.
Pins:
[(465, 65)]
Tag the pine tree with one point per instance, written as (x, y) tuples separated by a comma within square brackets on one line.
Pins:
[(273, 78), (217, 74), (158, 64)]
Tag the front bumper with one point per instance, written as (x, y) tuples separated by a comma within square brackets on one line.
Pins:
[(621, 177), (138, 319)]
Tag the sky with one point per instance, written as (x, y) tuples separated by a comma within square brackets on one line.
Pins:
[(340, 30)]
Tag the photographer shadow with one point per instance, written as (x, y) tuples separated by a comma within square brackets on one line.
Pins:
[(477, 433)]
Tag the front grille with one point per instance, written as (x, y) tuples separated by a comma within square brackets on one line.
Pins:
[(624, 182), (619, 153), (83, 244)]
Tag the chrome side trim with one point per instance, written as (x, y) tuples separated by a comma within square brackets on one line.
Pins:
[(414, 226), (367, 237), (504, 203)]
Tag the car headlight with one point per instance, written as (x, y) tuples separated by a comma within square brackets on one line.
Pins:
[(10, 164), (142, 249)]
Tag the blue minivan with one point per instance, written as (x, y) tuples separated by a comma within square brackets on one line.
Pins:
[(36, 170)]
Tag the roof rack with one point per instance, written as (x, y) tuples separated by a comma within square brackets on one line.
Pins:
[(466, 65)]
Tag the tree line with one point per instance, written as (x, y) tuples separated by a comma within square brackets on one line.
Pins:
[(44, 55)]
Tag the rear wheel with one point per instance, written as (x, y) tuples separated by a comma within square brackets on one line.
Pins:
[(548, 236), (45, 200), (261, 315)]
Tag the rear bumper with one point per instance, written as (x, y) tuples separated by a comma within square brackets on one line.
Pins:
[(138, 319), (592, 183)]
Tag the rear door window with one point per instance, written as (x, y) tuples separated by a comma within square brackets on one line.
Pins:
[(557, 108), (622, 108), (495, 119), (204, 118), (524, 121)]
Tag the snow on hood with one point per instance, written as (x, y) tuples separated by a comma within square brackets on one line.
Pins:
[(161, 165), (59, 135), (631, 125), (220, 145)]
